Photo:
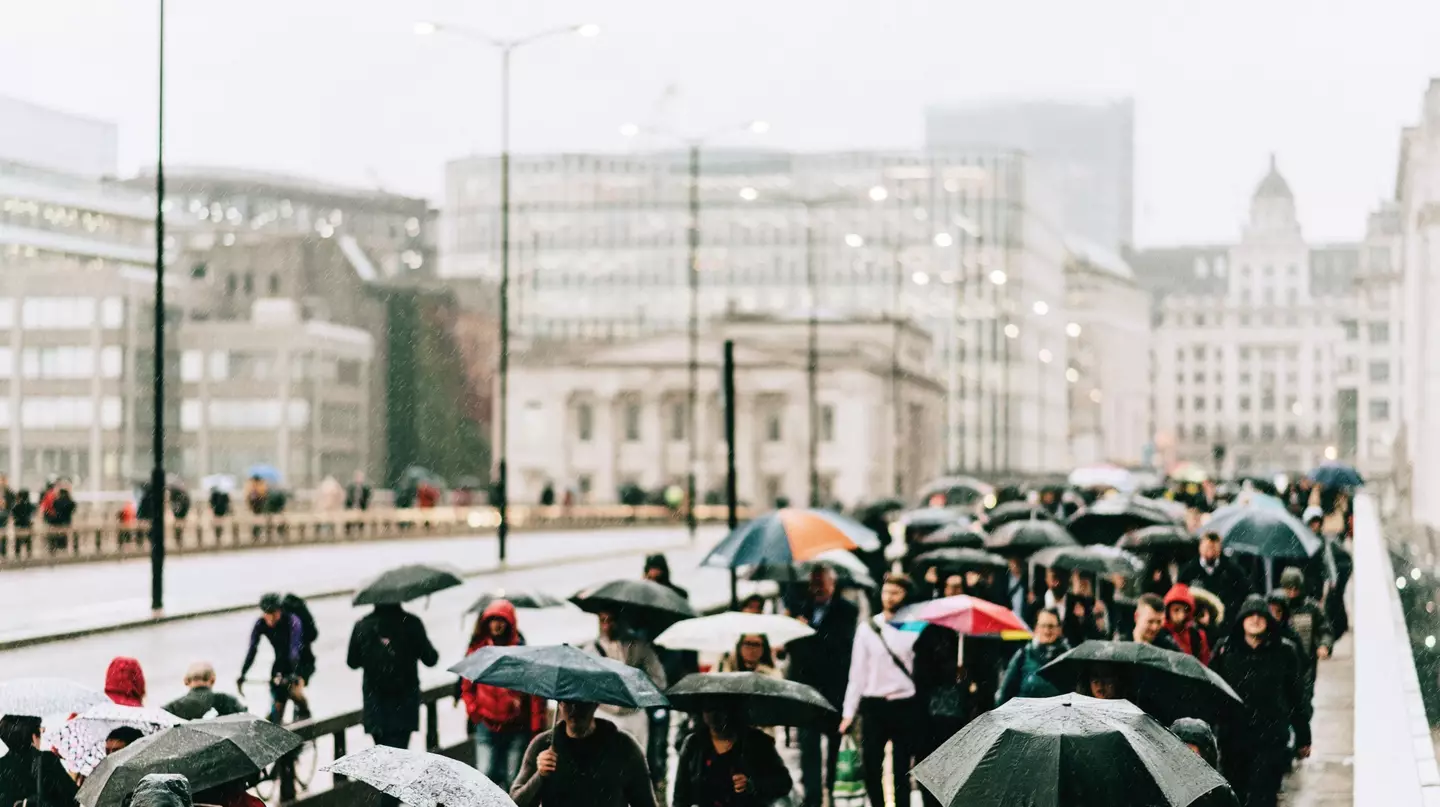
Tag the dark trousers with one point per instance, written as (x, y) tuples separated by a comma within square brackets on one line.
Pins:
[(658, 754), (1255, 772), (937, 731), (810, 762), (895, 722)]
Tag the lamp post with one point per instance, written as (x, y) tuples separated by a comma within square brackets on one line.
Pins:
[(694, 145), (506, 48), (157, 475)]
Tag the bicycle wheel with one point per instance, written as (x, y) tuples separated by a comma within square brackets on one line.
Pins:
[(268, 789), (306, 761)]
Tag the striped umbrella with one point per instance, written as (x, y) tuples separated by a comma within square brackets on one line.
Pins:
[(966, 615), (789, 536)]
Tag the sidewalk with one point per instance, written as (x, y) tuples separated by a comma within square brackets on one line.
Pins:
[(1327, 778)]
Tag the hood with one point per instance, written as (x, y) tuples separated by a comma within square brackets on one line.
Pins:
[(1204, 598), (1254, 604), (1180, 593), (499, 609), (161, 790), (1279, 597), (661, 563), (1197, 733), (125, 681)]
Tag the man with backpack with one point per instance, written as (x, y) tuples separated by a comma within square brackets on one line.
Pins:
[(286, 622)]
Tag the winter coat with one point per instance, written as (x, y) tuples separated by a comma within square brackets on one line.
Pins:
[(632, 651), (388, 644), (1229, 582), (753, 755), (160, 790), (823, 660), (1268, 678), (1021, 675), (606, 769), (1307, 620), (1188, 638), (125, 682), (1197, 733), (496, 708), (17, 778), (201, 701)]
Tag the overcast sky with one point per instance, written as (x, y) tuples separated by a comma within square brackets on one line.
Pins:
[(342, 89)]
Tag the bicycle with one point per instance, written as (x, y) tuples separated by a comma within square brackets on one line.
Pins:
[(301, 763)]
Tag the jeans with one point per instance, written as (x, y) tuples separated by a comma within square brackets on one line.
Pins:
[(896, 722), (498, 754), (810, 762)]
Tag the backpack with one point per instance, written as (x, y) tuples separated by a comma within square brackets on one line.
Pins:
[(294, 605)]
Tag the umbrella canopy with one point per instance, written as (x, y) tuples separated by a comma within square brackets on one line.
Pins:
[(849, 570), (1163, 537), (950, 557), (966, 615), (1337, 475), (561, 673), (410, 582), (1108, 519), (1260, 483), (1016, 511), (1098, 560), (956, 491), (641, 603), (221, 482), (963, 535), (1165, 684), (1189, 472), (209, 753), (420, 779), (526, 598), (44, 697), (789, 535), (765, 701), (1025, 537), (1263, 531), (720, 632), (1073, 751), (269, 473), (80, 741), (1102, 476), (1257, 499)]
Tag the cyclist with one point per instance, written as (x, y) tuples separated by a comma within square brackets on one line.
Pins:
[(294, 662)]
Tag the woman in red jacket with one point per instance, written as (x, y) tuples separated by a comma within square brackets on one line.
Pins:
[(504, 720), (125, 682)]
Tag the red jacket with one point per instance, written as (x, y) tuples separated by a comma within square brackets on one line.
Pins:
[(500, 709), (1189, 638), (125, 682)]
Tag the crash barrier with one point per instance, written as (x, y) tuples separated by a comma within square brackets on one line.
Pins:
[(1395, 758), (108, 539)]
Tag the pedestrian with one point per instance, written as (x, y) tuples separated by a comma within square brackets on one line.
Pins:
[(944, 692), (1018, 597), (1157, 577), (329, 496), (23, 511), (231, 794), (752, 653), (1209, 614), (160, 790), (120, 738), (619, 642), (822, 661), (1265, 671), (753, 604), (202, 701), (287, 624), (1218, 574), (357, 493), (1021, 675), (389, 644), (1198, 735), (677, 664), (881, 691), (503, 720), (1307, 623), (219, 502), (1180, 623), (1084, 614), (1102, 681), (583, 760), (726, 763), (25, 768), (125, 681), (1150, 624)]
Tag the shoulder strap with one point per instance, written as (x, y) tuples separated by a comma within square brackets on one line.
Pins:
[(879, 634)]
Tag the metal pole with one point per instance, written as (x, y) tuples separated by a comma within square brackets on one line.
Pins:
[(694, 411), (812, 361), (897, 427), (732, 516), (157, 477), (502, 531)]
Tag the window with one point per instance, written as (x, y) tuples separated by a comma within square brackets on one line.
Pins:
[(1245, 431), (584, 483), (772, 426), (1267, 402), (57, 413), (58, 313), (827, 423), (190, 415), (1379, 371), (112, 413), (1200, 431), (1180, 431), (1379, 333), (1244, 403), (1244, 353), (219, 365), (1199, 404), (192, 365), (1319, 432), (1379, 410), (632, 422), (1269, 271), (58, 362), (584, 422), (677, 421), (1292, 296), (1292, 431), (1199, 378), (274, 285), (1267, 432), (773, 487), (1351, 328), (7, 313), (1179, 403), (112, 313), (1199, 353)]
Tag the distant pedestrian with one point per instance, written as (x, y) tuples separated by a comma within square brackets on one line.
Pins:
[(24, 768), (504, 720), (119, 739), (1180, 624), (219, 502), (1201, 739), (677, 664), (1150, 623), (881, 692), (618, 642), (389, 644), (357, 493), (583, 761), (329, 496), (23, 511), (202, 700), (1022, 679), (125, 682), (1218, 574), (822, 661)]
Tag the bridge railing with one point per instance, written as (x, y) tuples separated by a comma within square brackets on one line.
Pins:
[(94, 539)]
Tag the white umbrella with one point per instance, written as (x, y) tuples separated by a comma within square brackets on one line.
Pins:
[(80, 741), (45, 697), (719, 633), (420, 779), (1102, 476)]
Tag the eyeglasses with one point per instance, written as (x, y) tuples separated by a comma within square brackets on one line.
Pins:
[(752, 643)]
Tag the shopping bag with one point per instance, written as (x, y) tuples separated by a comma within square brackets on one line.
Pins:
[(849, 776)]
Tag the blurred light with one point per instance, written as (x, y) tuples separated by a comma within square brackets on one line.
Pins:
[(759, 126), (1331, 453), (854, 240), (944, 239), (1072, 330), (920, 278), (1400, 582), (1095, 395), (1072, 375), (425, 28), (1040, 308), (998, 277), (749, 194), (952, 185), (1296, 409), (1430, 642), (1046, 356), (1415, 574), (588, 29), (1012, 330), (990, 501), (475, 520), (629, 130), (228, 240), (921, 214), (949, 277)]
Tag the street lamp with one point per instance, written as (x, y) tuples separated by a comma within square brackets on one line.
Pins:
[(157, 475), (506, 48), (693, 247)]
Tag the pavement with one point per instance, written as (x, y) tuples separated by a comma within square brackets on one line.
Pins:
[(1327, 778)]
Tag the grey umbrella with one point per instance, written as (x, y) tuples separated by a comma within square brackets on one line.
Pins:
[(43, 697), (420, 779), (406, 583), (560, 673), (764, 701)]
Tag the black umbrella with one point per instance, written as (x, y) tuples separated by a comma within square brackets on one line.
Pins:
[(1166, 684), (407, 583), (1265, 531), (561, 673), (765, 701), (1025, 537), (1098, 560), (950, 557), (641, 603), (1016, 511), (1163, 537), (959, 536), (209, 753), (1072, 751), (1106, 520), (518, 598)]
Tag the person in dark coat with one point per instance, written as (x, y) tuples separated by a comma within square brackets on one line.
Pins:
[(389, 644), (943, 690), (202, 700), (357, 493), (1219, 575), (1266, 672), (1022, 677), (823, 662), (1197, 734), (160, 790), (583, 760), (21, 736), (729, 764), (677, 663)]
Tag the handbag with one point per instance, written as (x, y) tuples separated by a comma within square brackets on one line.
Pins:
[(947, 701), (849, 785)]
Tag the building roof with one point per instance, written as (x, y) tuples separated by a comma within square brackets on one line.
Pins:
[(1273, 186), (1099, 257)]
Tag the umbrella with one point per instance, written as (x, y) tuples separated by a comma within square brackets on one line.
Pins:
[(269, 473), (409, 582), (1189, 472), (1263, 531), (1016, 511), (520, 599), (1108, 519), (720, 632), (951, 557), (1102, 476), (1257, 499), (789, 535), (561, 673), (80, 741), (44, 697), (220, 482), (957, 490), (1166, 684), (1162, 537), (765, 701), (1025, 537), (643, 603), (209, 753), (1097, 560), (959, 536), (1070, 750), (421, 779), (1337, 475), (849, 570), (966, 615)]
